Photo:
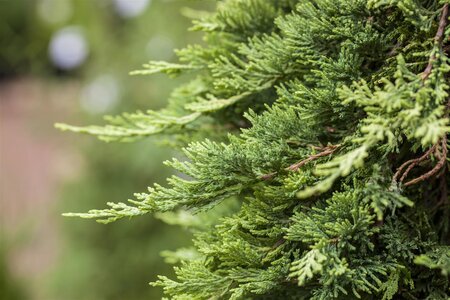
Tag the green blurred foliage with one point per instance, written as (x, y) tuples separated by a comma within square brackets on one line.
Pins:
[(97, 261), (23, 37), (113, 262), (117, 262), (10, 288)]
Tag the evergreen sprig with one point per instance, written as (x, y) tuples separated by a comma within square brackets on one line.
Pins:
[(337, 115)]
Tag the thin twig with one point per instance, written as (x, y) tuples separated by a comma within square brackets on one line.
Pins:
[(416, 161), (438, 39), (268, 176), (412, 163), (278, 244), (327, 151), (437, 167), (295, 167)]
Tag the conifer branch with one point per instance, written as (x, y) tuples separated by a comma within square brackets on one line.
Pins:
[(410, 164), (302, 69)]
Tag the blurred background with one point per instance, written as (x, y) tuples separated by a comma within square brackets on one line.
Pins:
[(68, 61)]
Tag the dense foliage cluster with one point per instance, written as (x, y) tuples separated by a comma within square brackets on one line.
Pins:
[(321, 129)]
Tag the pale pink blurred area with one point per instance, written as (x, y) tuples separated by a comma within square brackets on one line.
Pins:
[(35, 159)]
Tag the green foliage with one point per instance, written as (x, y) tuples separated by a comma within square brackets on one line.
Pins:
[(24, 38), (305, 268), (329, 106), (438, 258), (10, 287), (115, 171)]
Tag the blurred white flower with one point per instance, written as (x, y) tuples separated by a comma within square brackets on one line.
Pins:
[(68, 48), (101, 95), (130, 8)]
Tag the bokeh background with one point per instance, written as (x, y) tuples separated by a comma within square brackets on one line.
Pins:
[(68, 61)]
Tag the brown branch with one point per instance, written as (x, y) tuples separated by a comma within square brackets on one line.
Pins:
[(278, 244), (413, 163), (295, 167), (416, 161), (268, 176), (438, 39), (327, 151), (437, 167)]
